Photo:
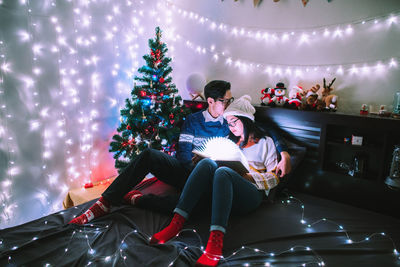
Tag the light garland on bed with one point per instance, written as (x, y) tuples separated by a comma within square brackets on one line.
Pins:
[(299, 36), (92, 231)]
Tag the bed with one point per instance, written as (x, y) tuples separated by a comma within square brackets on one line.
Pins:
[(295, 229), (304, 222)]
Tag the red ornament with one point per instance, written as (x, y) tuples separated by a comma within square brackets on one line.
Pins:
[(161, 94), (128, 127), (88, 185), (142, 93), (146, 131), (124, 144), (162, 80), (172, 121), (171, 116)]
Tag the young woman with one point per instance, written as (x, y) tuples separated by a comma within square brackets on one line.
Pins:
[(229, 191)]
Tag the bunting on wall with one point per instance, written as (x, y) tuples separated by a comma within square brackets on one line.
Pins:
[(258, 2)]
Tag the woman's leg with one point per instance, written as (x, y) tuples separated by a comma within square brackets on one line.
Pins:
[(198, 183), (231, 192)]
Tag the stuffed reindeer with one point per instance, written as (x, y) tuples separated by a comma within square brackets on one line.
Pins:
[(329, 101)]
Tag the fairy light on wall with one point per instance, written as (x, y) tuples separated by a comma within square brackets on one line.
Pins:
[(299, 36), (72, 63), (7, 206), (274, 69)]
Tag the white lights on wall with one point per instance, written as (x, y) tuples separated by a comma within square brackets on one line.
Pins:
[(78, 52), (299, 36), (274, 69)]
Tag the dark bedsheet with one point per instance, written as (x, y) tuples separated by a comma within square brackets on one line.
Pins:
[(271, 236)]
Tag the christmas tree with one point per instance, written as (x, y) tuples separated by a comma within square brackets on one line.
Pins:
[(153, 116)]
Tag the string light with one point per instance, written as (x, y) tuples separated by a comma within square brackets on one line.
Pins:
[(351, 68), (271, 35)]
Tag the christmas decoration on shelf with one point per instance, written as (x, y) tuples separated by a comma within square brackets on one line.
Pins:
[(267, 94), (279, 99), (151, 118), (312, 103), (295, 97), (329, 100)]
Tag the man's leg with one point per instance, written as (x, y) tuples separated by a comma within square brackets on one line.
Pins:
[(165, 167)]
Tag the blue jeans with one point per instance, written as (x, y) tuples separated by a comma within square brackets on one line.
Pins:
[(165, 167), (228, 191)]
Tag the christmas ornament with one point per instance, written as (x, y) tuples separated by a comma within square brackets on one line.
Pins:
[(131, 111), (128, 127), (162, 80), (143, 116)]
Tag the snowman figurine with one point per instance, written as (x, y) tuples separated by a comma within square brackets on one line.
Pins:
[(279, 98)]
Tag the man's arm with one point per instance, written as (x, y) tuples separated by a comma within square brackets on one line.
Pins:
[(284, 166)]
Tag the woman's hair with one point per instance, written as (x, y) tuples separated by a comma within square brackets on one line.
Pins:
[(249, 129)]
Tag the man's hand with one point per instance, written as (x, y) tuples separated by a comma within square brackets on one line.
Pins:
[(196, 158), (284, 166)]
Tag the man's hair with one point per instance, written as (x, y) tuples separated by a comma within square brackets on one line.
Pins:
[(216, 89), (249, 128)]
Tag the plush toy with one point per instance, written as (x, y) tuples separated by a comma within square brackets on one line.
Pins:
[(295, 97), (268, 93), (312, 102), (329, 101), (279, 98)]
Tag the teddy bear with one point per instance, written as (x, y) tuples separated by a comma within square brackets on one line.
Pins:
[(295, 97), (279, 98), (268, 93), (312, 102), (329, 101)]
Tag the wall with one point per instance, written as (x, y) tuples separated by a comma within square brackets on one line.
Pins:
[(367, 45), (67, 67)]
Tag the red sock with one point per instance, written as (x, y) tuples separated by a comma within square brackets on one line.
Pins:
[(98, 209), (213, 252), (132, 197), (170, 231)]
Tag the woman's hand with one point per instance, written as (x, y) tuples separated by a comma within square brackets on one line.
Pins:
[(284, 166), (248, 177)]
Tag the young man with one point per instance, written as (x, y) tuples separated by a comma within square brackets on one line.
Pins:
[(175, 171)]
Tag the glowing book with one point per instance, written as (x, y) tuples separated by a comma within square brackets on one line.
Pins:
[(225, 153)]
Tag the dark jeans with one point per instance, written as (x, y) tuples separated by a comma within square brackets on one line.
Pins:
[(229, 192), (165, 167)]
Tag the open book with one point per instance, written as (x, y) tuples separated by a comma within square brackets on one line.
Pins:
[(225, 153)]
